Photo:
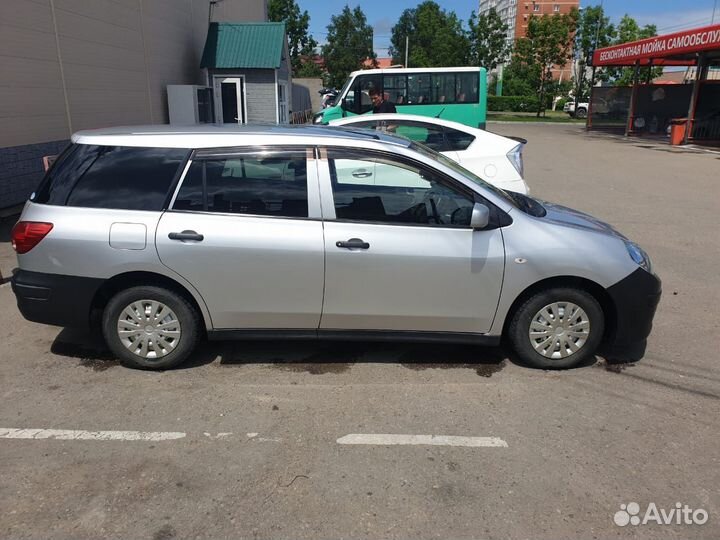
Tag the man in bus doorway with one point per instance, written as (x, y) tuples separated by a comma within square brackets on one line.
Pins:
[(380, 105)]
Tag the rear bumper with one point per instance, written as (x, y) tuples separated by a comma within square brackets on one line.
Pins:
[(55, 299), (636, 299)]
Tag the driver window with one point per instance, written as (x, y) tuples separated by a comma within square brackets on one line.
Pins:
[(361, 102), (379, 189)]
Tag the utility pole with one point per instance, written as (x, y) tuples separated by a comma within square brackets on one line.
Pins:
[(407, 45)]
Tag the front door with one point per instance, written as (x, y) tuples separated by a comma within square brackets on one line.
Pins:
[(244, 230), (230, 100), (400, 255)]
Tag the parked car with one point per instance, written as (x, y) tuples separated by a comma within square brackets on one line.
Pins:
[(163, 235), (494, 158), (582, 109)]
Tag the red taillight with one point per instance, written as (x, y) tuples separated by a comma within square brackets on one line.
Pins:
[(27, 234)]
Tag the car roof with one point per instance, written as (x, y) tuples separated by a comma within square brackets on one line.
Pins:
[(217, 136), (348, 122)]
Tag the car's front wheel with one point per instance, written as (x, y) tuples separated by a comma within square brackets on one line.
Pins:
[(581, 113), (150, 327), (557, 328)]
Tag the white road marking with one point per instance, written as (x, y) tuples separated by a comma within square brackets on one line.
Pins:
[(384, 439), (80, 435), (221, 435)]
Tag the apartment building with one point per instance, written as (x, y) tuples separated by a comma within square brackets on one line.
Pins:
[(516, 14)]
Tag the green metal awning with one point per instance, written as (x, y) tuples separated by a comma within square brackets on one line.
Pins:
[(244, 45)]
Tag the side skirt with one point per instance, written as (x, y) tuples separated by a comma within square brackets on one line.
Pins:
[(357, 335)]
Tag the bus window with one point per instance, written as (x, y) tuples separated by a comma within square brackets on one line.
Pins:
[(467, 88), (395, 86), (444, 90), (419, 88)]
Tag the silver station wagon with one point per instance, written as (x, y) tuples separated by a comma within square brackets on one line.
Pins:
[(158, 237)]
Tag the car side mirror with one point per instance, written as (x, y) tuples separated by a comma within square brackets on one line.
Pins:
[(480, 216)]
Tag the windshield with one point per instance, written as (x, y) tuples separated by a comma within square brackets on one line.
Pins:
[(454, 165), (342, 91)]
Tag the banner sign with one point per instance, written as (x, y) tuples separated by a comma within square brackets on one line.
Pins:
[(689, 41)]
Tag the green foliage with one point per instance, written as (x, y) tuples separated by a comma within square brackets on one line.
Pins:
[(513, 103), (522, 76), (436, 37), (300, 43), (593, 31), (488, 41), (629, 30), (548, 42), (349, 43)]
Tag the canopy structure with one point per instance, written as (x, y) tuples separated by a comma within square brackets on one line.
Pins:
[(697, 47)]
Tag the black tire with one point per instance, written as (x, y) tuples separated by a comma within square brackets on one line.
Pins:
[(519, 329), (581, 113), (187, 317)]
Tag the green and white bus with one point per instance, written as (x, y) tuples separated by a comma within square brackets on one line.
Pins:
[(452, 93)]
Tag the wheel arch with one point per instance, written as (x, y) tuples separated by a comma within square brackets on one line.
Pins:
[(597, 291), (138, 278)]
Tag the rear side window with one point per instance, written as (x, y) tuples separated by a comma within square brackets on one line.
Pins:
[(458, 140), (114, 177), (273, 184)]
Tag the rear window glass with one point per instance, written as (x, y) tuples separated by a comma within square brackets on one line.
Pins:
[(115, 177)]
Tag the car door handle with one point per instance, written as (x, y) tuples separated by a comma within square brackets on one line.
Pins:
[(361, 173), (186, 235), (353, 243)]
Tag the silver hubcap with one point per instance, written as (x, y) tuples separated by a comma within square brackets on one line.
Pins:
[(149, 329), (559, 330)]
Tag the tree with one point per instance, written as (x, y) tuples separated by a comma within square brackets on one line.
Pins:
[(436, 37), (522, 76), (488, 40), (594, 31), (629, 30), (349, 44), (300, 43), (547, 43)]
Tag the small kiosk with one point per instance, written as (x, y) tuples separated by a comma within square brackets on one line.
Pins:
[(690, 112)]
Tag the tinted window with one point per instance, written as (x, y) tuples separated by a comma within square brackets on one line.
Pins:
[(377, 189), (126, 178), (458, 140), (270, 185), (111, 177), (428, 134), (60, 179)]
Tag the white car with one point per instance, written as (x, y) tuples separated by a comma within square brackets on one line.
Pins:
[(494, 158)]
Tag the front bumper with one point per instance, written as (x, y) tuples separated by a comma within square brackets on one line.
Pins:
[(55, 299), (636, 298)]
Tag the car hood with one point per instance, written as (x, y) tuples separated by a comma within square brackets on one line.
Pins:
[(568, 217)]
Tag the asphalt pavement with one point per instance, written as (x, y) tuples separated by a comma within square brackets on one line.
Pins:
[(358, 440)]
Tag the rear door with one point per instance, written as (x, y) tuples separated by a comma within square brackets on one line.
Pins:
[(244, 228)]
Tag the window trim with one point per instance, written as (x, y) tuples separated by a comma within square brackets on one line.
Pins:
[(205, 154), (472, 195)]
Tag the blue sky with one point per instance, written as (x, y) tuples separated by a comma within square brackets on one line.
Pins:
[(669, 15)]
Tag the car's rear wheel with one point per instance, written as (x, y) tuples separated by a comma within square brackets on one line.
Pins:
[(557, 328), (581, 113), (150, 327)]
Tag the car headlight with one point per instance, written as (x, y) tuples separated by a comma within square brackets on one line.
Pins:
[(639, 256), (515, 157), (318, 118)]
